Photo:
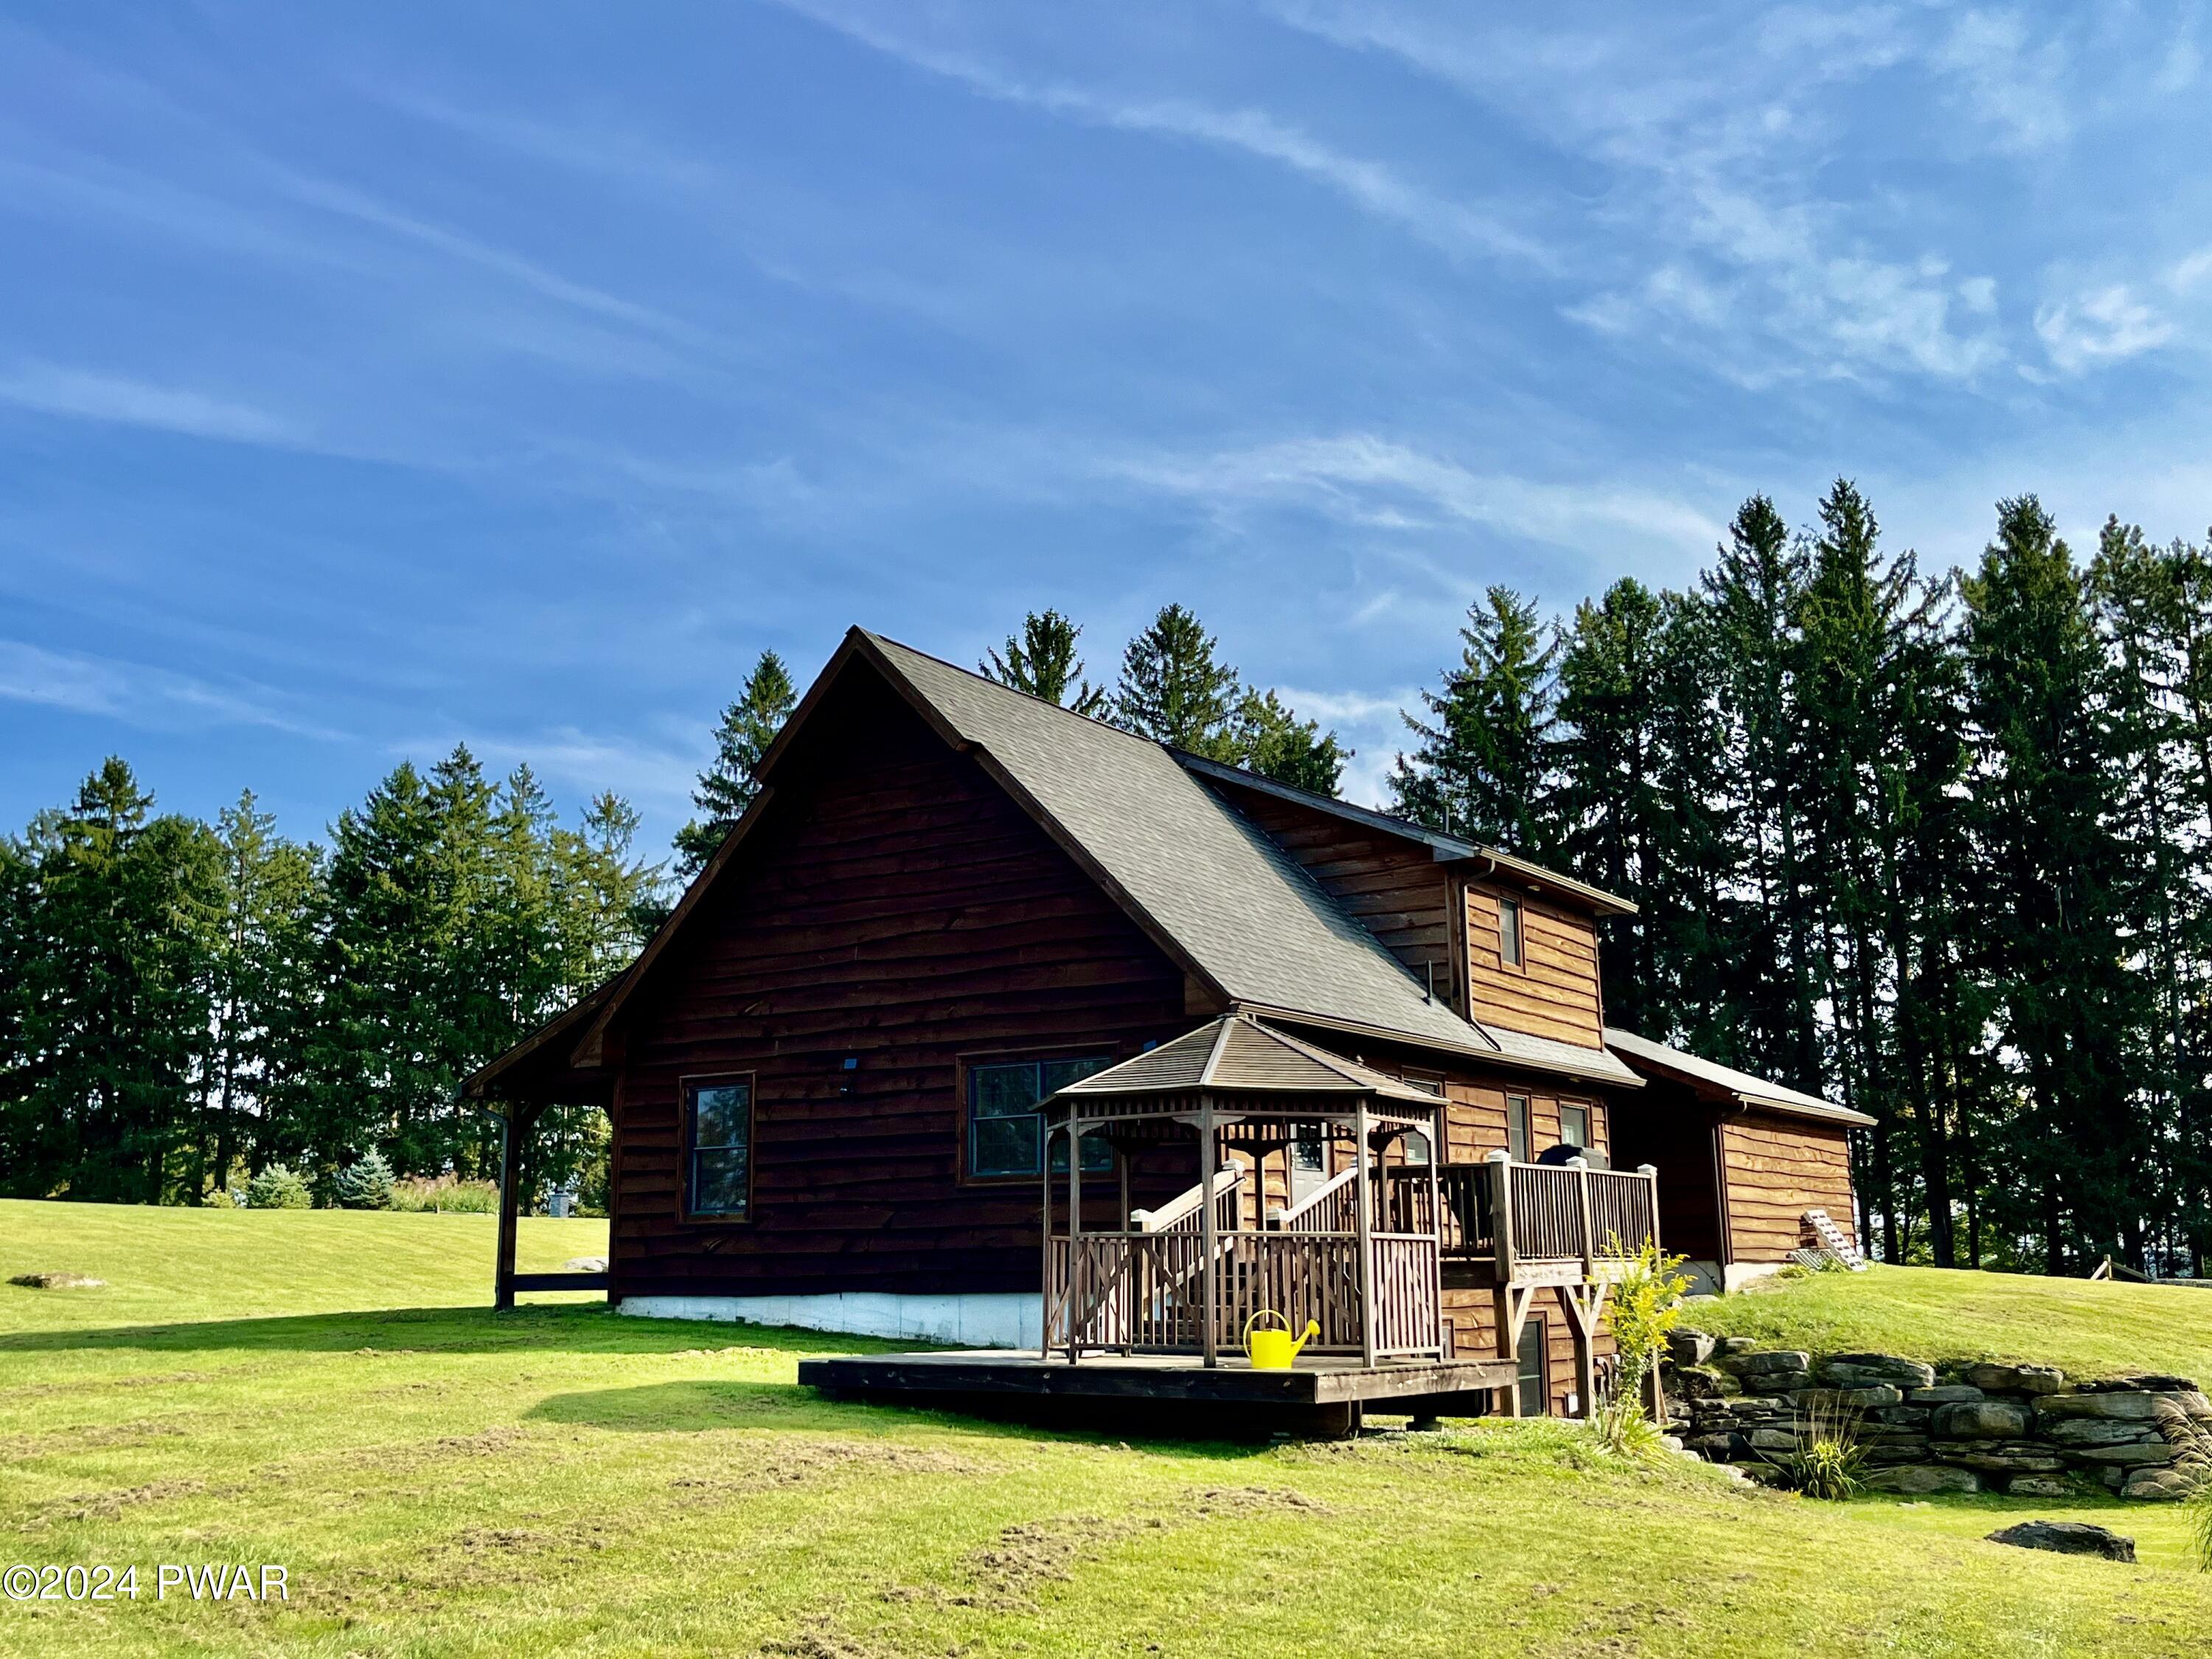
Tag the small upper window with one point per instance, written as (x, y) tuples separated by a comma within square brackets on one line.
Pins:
[(1517, 1128), (1509, 932), (1574, 1124), (719, 1129), (1004, 1130)]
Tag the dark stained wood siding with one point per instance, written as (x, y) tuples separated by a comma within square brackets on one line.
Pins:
[(894, 905), (1395, 887), (1554, 992), (1777, 1169)]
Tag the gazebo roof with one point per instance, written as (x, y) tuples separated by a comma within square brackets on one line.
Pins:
[(1241, 1062)]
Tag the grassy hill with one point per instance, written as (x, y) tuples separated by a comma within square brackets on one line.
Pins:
[(314, 1391), (2105, 1328), (163, 1265)]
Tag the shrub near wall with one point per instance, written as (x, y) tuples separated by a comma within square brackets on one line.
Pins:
[(2019, 1429)]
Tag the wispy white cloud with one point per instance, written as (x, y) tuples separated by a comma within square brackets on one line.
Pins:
[(649, 773), (86, 395), (2013, 85), (1713, 143), (138, 694), (2106, 326), (1372, 186), (1363, 479)]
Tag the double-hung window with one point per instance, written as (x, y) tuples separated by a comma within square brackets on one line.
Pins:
[(718, 1140), (1574, 1124), (1004, 1133), (1509, 932), (1516, 1128)]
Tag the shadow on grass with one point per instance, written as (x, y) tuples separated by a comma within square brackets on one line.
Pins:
[(693, 1407), (593, 1328)]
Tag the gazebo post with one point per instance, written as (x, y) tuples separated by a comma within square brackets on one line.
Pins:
[(1207, 1226), (1363, 1157), (1044, 1278), (1074, 1236), (1436, 1133)]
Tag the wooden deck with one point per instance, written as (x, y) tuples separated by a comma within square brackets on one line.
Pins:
[(1326, 1395)]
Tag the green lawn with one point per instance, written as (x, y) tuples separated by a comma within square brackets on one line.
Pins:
[(313, 1390), (2087, 1329)]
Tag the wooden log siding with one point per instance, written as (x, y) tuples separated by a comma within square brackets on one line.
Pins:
[(1777, 1169), (895, 907), (1554, 991), (1393, 886)]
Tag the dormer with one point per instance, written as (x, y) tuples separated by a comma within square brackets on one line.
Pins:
[(1531, 940)]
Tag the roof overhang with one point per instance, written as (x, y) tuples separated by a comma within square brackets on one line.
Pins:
[(1723, 1085)]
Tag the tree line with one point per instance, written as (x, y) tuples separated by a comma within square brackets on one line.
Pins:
[(185, 1004), (1937, 846), (1933, 845)]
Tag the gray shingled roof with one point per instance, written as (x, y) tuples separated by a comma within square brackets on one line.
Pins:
[(1241, 909), (1740, 1085), (1236, 1054)]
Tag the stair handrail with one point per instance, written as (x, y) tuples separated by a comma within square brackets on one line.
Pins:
[(1181, 1213), (1285, 1219)]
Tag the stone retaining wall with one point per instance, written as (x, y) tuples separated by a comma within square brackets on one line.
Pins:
[(2019, 1429)]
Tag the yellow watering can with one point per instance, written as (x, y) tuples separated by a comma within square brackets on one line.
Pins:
[(1272, 1349)]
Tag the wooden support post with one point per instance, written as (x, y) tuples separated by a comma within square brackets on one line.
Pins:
[(1074, 1237), (1208, 1231), (1585, 1304), (1044, 1281), (1581, 1167), (1501, 1212), (1510, 1307), (1437, 1223), (1655, 1387), (1363, 1157), (514, 1125)]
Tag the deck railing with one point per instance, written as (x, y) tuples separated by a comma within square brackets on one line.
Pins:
[(1560, 1212), (1146, 1292)]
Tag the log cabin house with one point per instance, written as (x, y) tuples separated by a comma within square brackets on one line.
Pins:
[(950, 1037)]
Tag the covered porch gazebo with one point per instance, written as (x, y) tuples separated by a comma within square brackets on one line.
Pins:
[(1358, 1255)]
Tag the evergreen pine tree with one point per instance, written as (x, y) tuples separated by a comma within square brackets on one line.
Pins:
[(1753, 597), (111, 910), (2052, 933), (1042, 662), (1271, 739), (265, 995), (1173, 690), (726, 787), (1483, 770)]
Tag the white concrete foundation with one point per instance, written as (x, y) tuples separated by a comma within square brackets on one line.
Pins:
[(973, 1319)]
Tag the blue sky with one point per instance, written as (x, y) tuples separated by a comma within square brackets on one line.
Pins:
[(376, 378)]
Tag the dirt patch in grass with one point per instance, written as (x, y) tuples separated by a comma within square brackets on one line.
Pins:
[(1226, 1501), (822, 1638), (87, 1437), (102, 1384), (805, 1462), (107, 1506), (1010, 1570), (494, 1442)]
